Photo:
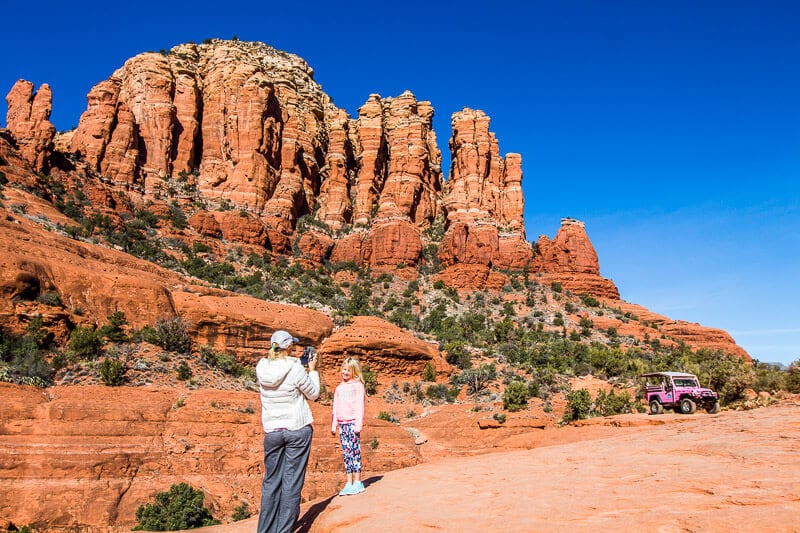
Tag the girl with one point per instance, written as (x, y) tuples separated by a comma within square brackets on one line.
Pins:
[(348, 414)]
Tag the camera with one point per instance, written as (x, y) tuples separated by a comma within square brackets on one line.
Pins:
[(308, 353)]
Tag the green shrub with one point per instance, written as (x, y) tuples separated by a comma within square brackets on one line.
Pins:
[(613, 404), (457, 354), (51, 298), (85, 342), (228, 364), (388, 417), (515, 397), (370, 379), (590, 301), (500, 417), (579, 405), (241, 512), (442, 392), (184, 372), (112, 372), (179, 508), (476, 379), (728, 375), (172, 334), (429, 372), (28, 365), (556, 286)]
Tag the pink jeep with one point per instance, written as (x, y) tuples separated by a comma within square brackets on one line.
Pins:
[(679, 391)]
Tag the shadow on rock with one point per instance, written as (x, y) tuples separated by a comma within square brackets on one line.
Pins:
[(370, 480), (304, 523)]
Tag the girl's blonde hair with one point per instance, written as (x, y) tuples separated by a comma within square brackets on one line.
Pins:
[(351, 364)]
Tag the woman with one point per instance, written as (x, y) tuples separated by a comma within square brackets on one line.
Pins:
[(287, 420)]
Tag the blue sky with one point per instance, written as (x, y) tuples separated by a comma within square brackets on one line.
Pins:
[(671, 128)]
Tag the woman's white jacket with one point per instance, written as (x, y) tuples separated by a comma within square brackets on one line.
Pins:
[(284, 386)]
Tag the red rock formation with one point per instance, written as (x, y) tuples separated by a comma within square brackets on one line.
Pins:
[(240, 227), (571, 260), (244, 325), (413, 181), (99, 281), (372, 153), (398, 185), (260, 142), (472, 277), (315, 246), (692, 334), (394, 243), (28, 118), (205, 223), (97, 122), (349, 248), (484, 202), (335, 206), (147, 88), (392, 352), (122, 152)]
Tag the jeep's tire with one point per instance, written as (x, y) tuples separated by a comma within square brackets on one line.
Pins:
[(714, 409), (656, 408), (688, 407)]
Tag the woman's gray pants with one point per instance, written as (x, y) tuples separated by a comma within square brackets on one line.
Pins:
[(285, 460)]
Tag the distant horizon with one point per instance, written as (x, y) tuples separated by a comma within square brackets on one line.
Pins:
[(673, 131)]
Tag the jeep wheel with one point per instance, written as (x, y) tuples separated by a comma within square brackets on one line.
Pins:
[(714, 409), (656, 408), (688, 407)]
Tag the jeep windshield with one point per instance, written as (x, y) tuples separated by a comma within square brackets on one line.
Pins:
[(686, 382)]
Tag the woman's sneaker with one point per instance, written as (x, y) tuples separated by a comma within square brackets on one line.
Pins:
[(358, 487), (347, 490)]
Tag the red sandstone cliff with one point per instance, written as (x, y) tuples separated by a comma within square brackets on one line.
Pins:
[(248, 125)]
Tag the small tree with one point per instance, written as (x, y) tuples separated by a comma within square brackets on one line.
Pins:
[(113, 330), (179, 508)]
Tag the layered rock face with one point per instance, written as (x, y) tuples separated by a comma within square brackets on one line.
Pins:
[(571, 260), (28, 118), (392, 352), (85, 458), (484, 202)]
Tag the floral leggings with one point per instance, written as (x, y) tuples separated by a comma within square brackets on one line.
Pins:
[(351, 447)]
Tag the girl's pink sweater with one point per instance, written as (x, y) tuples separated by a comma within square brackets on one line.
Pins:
[(348, 404)]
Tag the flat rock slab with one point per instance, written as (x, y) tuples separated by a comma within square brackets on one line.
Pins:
[(736, 471)]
